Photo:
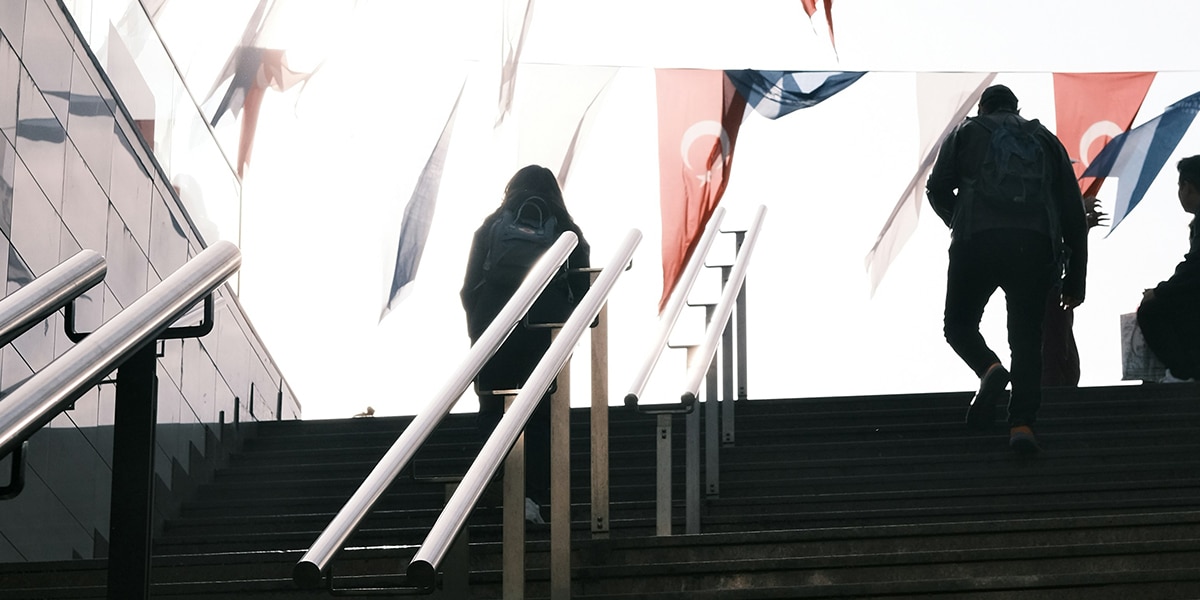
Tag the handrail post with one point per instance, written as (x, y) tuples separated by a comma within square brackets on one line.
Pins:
[(513, 576), (728, 435), (726, 429), (133, 476), (457, 569), (599, 426), (712, 421), (662, 513), (560, 484)]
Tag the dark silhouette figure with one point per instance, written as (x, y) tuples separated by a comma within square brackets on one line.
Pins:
[(1060, 354), (483, 297), (1021, 243), (1168, 314)]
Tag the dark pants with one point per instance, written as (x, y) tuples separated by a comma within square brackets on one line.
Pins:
[(1171, 327), (508, 369), (1020, 263)]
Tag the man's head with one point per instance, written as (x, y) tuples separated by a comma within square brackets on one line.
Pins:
[(997, 97), (1189, 184)]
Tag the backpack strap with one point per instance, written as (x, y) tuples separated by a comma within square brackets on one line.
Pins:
[(526, 212)]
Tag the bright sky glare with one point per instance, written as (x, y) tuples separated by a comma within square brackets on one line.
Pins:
[(334, 166)]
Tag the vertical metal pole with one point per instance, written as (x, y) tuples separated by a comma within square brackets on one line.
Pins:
[(132, 505), (560, 485), (712, 414), (726, 373), (663, 483), (692, 478), (457, 564), (513, 577), (599, 421), (728, 429)]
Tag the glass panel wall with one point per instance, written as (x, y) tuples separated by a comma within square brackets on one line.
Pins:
[(77, 171)]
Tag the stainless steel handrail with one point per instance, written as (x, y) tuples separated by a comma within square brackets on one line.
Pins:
[(40, 298), (36, 401), (422, 570), (708, 348), (307, 572), (675, 305)]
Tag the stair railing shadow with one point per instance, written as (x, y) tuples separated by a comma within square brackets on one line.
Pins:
[(701, 366), (421, 575)]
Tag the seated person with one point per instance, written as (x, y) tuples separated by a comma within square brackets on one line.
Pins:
[(1168, 314)]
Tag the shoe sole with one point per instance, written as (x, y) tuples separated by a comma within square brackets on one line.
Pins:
[(981, 414), (1024, 445)]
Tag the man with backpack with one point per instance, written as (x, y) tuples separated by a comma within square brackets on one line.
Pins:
[(1005, 187), (528, 221)]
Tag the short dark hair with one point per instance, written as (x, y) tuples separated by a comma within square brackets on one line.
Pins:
[(1189, 170), (997, 97)]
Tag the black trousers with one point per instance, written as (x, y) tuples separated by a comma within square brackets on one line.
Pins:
[(508, 369), (1171, 327), (1022, 264)]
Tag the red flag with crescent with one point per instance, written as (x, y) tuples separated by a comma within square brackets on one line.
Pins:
[(1091, 109), (699, 114)]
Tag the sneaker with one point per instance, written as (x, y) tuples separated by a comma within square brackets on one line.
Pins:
[(1021, 439), (1170, 377), (981, 414), (533, 512)]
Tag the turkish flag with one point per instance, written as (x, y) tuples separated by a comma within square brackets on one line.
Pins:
[(699, 113), (1091, 109)]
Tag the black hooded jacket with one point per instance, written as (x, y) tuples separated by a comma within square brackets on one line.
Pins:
[(482, 299), (958, 165)]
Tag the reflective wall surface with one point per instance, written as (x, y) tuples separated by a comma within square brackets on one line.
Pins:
[(125, 42), (75, 173)]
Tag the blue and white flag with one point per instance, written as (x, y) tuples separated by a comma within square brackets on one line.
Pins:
[(777, 93), (418, 216), (1135, 157)]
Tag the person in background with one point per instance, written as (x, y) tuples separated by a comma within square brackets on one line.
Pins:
[(1019, 242), (1169, 314), (484, 294), (1060, 355)]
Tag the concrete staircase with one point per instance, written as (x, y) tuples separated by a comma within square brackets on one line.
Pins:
[(881, 497)]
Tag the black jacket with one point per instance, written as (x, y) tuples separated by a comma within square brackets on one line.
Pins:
[(958, 164), (1186, 280), (482, 300)]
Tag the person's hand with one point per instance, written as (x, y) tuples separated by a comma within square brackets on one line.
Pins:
[(1069, 302), (1095, 216)]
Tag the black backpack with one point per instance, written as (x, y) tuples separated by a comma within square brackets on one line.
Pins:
[(518, 239), (1014, 176)]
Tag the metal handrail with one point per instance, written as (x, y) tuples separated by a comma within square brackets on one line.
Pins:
[(40, 298), (40, 398), (307, 572), (708, 348), (675, 305), (422, 570)]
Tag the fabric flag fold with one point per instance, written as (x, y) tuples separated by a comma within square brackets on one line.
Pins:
[(774, 94), (943, 101), (555, 101), (257, 64), (1135, 157), (810, 7), (1092, 108), (418, 215), (512, 42), (699, 115)]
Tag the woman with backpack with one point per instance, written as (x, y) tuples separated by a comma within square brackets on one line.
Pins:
[(530, 217)]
